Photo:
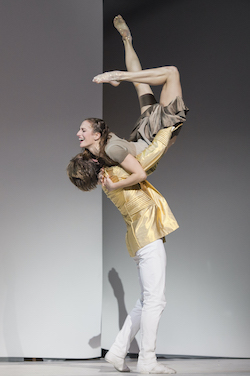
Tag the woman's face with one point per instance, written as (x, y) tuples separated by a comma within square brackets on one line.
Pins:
[(86, 135)]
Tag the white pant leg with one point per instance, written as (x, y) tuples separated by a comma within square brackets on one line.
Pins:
[(151, 263), (128, 331)]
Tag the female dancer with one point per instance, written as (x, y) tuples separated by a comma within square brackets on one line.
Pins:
[(109, 149)]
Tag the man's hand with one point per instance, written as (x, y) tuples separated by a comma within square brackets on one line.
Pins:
[(105, 180), (107, 183)]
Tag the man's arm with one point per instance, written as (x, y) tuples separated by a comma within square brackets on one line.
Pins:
[(153, 153), (148, 158)]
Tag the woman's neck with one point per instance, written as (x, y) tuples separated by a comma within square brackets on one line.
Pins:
[(94, 149)]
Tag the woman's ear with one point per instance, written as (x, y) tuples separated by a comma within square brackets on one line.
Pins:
[(97, 136)]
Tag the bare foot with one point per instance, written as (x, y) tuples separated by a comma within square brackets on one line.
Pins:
[(108, 77), (122, 27)]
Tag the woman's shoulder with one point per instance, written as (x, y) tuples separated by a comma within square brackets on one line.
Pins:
[(117, 148), (114, 140)]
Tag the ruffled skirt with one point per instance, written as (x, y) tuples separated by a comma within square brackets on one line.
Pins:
[(157, 117)]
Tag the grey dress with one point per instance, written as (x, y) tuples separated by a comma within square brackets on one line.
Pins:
[(157, 117)]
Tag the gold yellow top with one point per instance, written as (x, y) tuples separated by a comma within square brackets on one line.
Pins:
[(145, 211)]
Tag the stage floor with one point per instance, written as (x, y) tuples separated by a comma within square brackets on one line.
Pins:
[(183, 366)]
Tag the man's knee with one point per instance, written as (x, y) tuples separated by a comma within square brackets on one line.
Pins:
[(154, 301)]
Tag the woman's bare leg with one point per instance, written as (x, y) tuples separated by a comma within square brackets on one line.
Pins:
[(167, 76), (131, 59)]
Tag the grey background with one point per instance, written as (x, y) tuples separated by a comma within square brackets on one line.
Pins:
[(51, 233), (204, 177)]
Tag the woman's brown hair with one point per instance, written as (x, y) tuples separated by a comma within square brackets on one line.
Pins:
[(101, 127)]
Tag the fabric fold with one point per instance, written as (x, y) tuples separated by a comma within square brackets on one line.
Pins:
[(157, 117)]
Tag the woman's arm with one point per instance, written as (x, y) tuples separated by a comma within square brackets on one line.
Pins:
[(133, 167), (147, 160)]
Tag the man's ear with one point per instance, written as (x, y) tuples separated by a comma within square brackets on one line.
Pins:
[(97, 136)]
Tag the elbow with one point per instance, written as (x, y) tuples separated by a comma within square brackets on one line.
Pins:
[(143, 176)]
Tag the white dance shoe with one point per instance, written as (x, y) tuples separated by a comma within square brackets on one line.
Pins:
[(154, 368), (117, 362)]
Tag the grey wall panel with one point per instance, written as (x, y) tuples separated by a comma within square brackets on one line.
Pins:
[(205, 177), (51, 233)]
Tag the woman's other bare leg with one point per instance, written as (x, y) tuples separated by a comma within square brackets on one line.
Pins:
[(171, 87), (131, 59)]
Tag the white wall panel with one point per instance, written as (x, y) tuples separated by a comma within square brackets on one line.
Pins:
[(51, 233)]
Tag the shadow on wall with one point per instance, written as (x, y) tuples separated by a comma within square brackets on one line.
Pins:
[(117, 286), (95, 341)]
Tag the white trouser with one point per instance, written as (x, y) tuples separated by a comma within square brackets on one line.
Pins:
[(151, 264)]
